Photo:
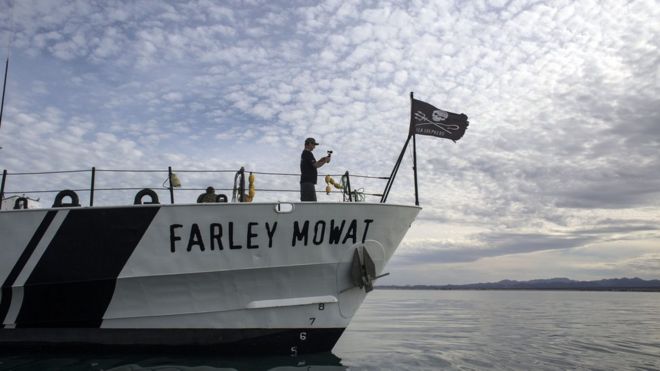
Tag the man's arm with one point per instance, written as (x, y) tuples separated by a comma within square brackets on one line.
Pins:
[(322, 161)]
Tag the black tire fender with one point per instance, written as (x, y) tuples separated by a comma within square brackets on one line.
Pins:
[(66, 193), (145, 192), (19, 201)]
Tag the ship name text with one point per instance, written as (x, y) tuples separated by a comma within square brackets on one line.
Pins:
[(254, 235)]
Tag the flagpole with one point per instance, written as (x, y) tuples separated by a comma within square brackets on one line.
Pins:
[(415, 170), (414, 156), (395, 169), (4, 85)]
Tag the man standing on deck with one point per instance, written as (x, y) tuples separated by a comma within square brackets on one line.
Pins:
[(308, 173)]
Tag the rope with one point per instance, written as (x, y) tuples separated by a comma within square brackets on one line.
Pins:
[(182, 171), (357, 194), (178, 189), (50, 172), (131, 171), (323, 175), (203, 171)]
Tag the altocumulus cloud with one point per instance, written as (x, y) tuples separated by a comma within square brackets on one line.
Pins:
[(560, 155)]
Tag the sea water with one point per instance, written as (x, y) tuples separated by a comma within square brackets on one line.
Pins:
[(505, 330), (445, 330)]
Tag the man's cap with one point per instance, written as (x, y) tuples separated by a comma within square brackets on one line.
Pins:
[(311, 141)]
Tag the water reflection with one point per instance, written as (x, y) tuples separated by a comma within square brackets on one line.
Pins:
[(160, 362)]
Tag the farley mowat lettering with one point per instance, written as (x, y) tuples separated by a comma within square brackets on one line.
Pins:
[(332, 232), (254, 235)]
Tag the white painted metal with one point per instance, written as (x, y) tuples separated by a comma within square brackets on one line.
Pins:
[(9, 202), (219, 288), (262, 277)]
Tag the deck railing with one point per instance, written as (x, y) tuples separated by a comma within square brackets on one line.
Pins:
[(238, 190)]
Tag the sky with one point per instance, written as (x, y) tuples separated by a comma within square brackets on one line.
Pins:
[(558, 174)]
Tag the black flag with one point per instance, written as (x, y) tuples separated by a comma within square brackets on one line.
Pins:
[(426, 119)]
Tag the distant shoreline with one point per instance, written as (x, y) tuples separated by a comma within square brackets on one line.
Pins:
[(608, 289), (551, 284)]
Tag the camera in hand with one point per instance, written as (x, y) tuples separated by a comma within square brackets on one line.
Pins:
[(329, 153)]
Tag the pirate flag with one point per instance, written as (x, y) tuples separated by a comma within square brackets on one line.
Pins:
[(426, 119)]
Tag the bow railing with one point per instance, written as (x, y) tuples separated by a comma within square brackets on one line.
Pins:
[(146, 181)]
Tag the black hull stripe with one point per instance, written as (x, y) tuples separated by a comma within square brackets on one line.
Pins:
[(20, 264), (74, 280), (215, 341)]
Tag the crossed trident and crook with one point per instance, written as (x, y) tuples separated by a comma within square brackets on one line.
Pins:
[(448, 128)]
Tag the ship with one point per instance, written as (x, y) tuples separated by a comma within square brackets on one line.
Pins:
[(224, 277)]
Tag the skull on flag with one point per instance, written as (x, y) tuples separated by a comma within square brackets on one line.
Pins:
[(439, 115)]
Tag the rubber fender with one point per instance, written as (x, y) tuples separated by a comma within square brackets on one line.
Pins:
[(66, 193), (19, 201), (221, 198), (145, 192)]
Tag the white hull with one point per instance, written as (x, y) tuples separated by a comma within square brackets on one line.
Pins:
[(225, 272)]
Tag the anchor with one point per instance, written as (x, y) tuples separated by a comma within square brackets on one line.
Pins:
[(363, 270)]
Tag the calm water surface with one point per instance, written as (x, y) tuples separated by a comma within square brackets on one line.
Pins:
[(447, 330), (522, 330)]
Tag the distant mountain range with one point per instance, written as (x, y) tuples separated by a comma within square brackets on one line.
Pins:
[(613, 284)]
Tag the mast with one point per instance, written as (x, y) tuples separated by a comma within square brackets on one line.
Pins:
[(412, 132), (415, 167), (4, 86), (4, 83), (395, 170), (390, 181)]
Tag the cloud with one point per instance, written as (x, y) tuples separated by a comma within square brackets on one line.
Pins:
[(492, 245), (562, 100), (644, 264)]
